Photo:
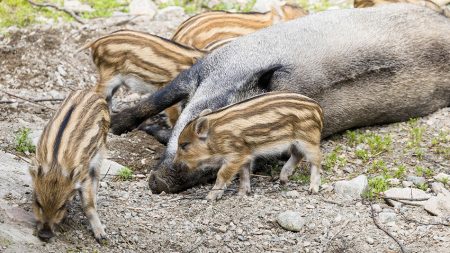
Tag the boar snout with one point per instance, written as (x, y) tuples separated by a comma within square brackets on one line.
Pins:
[(157, 184), (45, 233)]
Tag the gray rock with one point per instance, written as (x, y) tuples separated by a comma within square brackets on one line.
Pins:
[(292, 194), (112, 166), (403, 194), (265, 5), (416, 180), (291, 221), (370, 240), (77, 6), (170, 13), (393, 181), (438, 187), (442, 177), (439, 205), (407, 184), (353, 188), (387, 217), (143, 7), (376, 208)]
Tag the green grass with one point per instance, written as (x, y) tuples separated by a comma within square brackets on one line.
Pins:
[(423, 186), (332, 159), (362, 154), (23, 142), (444, 180), (376, 186), (301, 177), (377, 167), (125, 174), (400, 172), (104, 8), (416, 133)]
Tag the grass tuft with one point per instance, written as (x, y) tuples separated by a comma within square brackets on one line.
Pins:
[(23, 142), (125, 174)]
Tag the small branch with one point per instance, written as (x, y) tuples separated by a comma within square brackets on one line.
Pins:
[(69, 12), (257, 175), (372, 213), (49, 100), (26, 99), (324, 249), (106, 173), (408, 199)]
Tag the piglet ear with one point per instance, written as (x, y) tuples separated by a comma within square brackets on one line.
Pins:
[(204, 112), (202, 127)]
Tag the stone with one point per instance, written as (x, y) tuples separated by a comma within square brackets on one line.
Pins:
[(370, 240), (442, 177), (438, 187), (292, 194), (376, 208), (387, 217), (353, 188), (77, 6), (112, 166), (439, 205), (407, 184), (265, 5), (169, 13), (403, 194), (393, 181), (291, 221), (416, 180), (143, 7)]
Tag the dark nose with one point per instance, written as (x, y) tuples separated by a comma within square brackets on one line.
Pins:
[(156, 184), (45, 233)]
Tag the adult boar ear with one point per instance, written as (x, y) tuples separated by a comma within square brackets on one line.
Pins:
[(264, 77), (202, 127), (204, 112)]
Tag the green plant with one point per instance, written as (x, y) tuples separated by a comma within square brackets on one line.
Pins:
[(419, 153), (400, 172), (377, 166), (444, 180), (376, 185), (422, 186), (301, 178), (420, 171), (23, 142), (378, 144), (333, 159), (103, 8), (125, 174), (416, 133), (362, 154)]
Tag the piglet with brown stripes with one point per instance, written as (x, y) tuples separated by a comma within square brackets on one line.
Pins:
[(68, 159), (265, 125), (143, 62)]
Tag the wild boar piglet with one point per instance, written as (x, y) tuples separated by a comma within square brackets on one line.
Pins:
[(265, 125), (68, 159), (143, 62)]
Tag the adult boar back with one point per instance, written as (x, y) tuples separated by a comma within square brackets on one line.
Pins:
[(364, 67)]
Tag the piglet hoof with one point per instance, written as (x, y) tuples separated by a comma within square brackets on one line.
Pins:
[(214, 195), (243, 192), (102, 239), (313, 189), (283, 180)]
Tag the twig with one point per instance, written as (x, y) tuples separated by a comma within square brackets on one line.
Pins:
[(408, 199), (69, 12), (106, 173), (331, 202), (22, 158), (334, 236), (26, 99), (7, 102), (372, 213), (34, 100)]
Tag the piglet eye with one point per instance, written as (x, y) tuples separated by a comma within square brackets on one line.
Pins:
[(184, 145)]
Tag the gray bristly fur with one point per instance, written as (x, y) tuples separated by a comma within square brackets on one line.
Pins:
[(364, 67)]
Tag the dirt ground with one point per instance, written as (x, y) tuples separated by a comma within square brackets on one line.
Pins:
[(39, 62)]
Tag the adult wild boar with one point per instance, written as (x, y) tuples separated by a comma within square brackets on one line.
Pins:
[(364, 67)]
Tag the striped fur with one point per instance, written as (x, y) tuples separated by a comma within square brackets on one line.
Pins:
[(143, 62), (269, 124), (211, 30), (68, 157), (434, 5)]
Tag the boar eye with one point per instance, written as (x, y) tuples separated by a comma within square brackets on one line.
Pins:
[(184, 145)]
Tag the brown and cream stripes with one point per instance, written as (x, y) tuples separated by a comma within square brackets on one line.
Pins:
[(210, 30)]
